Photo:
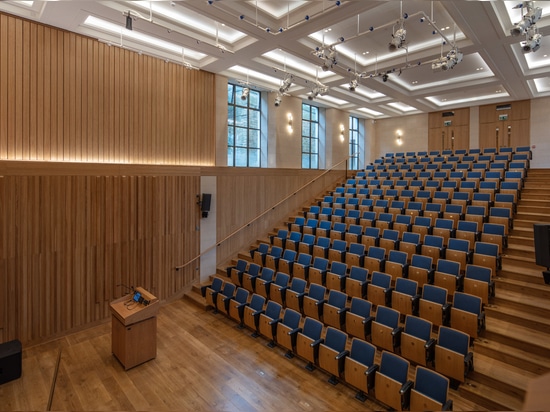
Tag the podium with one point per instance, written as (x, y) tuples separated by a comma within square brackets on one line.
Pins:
[(134, 328)]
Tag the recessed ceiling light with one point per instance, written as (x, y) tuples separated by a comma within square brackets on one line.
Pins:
[(327, 30), (479, 68), (498, 91), (443, 100), (415, 82)]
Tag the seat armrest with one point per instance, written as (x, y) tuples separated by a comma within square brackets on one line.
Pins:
[(371, 375), (240, 305), (406, 270), (446, 313), (283, 288), (468, 362), (320, 302), (429, 346), (203, 291), (300, 295), (294, 331), (258, 313), (405, 393), (415, 302), (448, 406), (343, 310), (274, 321), (382, 265), (431, 273), (342, 354), (397, 331), (316, 343)]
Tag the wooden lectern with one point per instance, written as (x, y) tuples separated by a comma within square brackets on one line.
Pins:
[(134, 328)]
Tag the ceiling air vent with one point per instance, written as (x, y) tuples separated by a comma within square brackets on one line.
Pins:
[(447, 114), (504, 106)]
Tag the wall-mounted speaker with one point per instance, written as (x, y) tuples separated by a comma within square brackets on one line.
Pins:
[(205, 204), (542, 248), (10, 361)]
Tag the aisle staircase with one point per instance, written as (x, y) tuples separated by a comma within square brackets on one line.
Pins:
[(514, 347)]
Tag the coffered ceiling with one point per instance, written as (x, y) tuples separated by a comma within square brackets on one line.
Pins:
[(329, 43)]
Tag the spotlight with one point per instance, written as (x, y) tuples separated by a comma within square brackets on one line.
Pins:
[(128, 21), (532, 44), (398, 39), (287, 82), (244, 94), (447, 62), (385, 77), (353, 85), (278, 100), (529, 19)]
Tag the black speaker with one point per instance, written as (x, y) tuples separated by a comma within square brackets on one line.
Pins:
[(542, 244), (205, 203), (10, 361)]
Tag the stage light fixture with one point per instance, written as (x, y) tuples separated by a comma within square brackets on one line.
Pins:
[(398, 39), (353, 85), (287, 82), (244, 94), (385, 77), (532, 43), (529, 19), (449, 61), (278, 100)]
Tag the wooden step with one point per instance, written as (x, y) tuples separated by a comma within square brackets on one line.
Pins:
[(514, 249), (196, 298), (534, 287), (524, 223), (519, 317), (488, 397), (511, 355), (523, 301), (532, 209), (520, 263), (520, 240), (537, 202), (517, 336), (533, 217)]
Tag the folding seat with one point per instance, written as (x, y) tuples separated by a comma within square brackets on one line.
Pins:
[(293, 241), (318, 271), (350, 183), (356, 282), (371, 237), (461, 198), (359, 367), (406, 196), (488, 187), (433, 211), (482, 199), (454, 213), (350, 193), (389, 240), (310, 226), (321, 247), (301, 266), (424, 176), (449, 187), (507, 198), (433, 247), (440, 198), (444, 228), (452, 356), (402, 224), (468, 230), (401, 185), (492, 176), (338, 216), (430, 391), (363, 194), (448, 276), (486, 254), (414, 209), (495, 233), (287, 331), (376, 195), (237, 304), (306, 244), (252, 312), (467, 314), (277, 290), (396, 265), (379, 289), (501, 215), (366, 205), (272, 258), (336, 276), (433, 305), (368, 219), (417, 344), (325, 214), (373, 184), (375, 259), (424, 197), (469, 186), (358, 318), (332, 354), (405, 297), (441, 176), (516, 177), (391, 195), (352, 218), (458, 250), (353, 235), (224, 296), (384, 221), (422, 226), (326, 202), (286, 262), (308, 341), (432, 186), (386, 332), (268, 321), (518, 166), (352, 203), (420, 269), (263, 282), (297, 225), (338, 231), (458, 175), (211, 292), (235, 273), (478, 282), (396, 208), (380, 206), (258, 254), (250, 275), (294, 295), (410, 244), (355, 255), (477, 174), (314, 301), (337, 251), (334, 309), (324, 229), (476, 214), (280, 238), (392, 386), (338, 192)]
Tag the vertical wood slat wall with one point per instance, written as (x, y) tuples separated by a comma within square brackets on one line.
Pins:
[(518, 117), (440, 136), (65, 97), (68, 237)]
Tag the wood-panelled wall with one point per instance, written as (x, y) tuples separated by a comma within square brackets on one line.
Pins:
[(68, 240), (513, 124), (440, 137), (66, 97)]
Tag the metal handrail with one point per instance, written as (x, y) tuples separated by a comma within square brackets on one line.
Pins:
[(263, 213)]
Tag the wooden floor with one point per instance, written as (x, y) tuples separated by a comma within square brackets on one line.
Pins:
[(203, 363)]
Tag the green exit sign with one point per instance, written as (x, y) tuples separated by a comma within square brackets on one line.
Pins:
[(447, 123), (502, 117)]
